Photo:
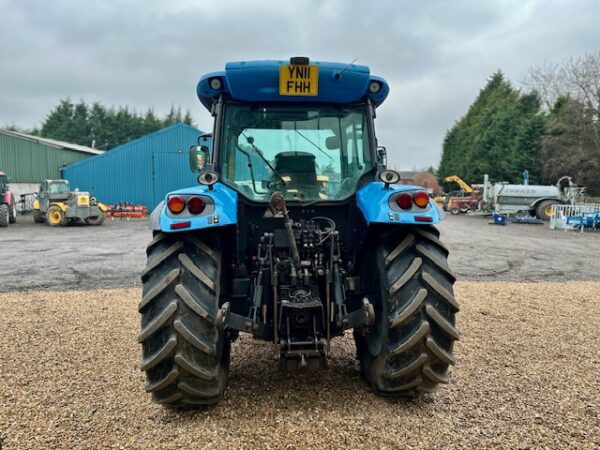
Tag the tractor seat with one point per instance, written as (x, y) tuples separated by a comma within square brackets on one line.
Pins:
[(299, 167)]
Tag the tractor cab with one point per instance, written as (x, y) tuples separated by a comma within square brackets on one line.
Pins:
[(303, 129), (3, 183), (8, 205), (54, 190), (286, 148)]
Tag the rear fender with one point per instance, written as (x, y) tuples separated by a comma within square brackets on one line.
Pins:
[(8, 198), (222, 211), (62, 205), (373, 200)]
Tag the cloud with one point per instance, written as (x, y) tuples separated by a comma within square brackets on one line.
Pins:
[(436, 55)]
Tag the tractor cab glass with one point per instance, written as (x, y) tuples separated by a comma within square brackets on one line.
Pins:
[(3, 183), (307, 153), (59, 188)]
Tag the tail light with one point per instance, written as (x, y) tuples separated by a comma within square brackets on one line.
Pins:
[(421, 199), (196, 205), (176, 204), (405, 201)]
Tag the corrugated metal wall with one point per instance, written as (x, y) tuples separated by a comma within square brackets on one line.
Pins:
[(141, 171), (26, 161)]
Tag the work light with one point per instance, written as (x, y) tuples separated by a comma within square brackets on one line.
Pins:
[(374, 87), (215, 83)]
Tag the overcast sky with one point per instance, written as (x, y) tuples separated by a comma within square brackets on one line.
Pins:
[(436, 55)]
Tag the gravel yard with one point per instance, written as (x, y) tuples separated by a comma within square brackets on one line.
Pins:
[(528, 376), (528, 372)]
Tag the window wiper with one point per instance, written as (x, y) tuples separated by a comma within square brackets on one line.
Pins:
[(315, 145), (250, 141), (247, 155)]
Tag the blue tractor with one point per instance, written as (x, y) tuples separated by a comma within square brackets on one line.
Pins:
[(295, 234)]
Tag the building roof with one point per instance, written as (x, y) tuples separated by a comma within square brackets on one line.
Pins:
[(53, 142), (127, 146)]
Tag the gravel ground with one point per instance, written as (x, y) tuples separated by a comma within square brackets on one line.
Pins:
[(519, 252), (35, 256), (528, 376)]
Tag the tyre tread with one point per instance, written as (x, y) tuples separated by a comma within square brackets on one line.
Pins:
[(185, 355), (419, 331)]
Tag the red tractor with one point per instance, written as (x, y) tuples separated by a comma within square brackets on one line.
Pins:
[(8, 205)]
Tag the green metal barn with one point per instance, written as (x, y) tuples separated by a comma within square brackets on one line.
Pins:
[(29, 159)]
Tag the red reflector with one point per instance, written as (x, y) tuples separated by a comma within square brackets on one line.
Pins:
[(176, 204), (404, 201), (196, 205), (423, 219), (421, 199), (180, 225)]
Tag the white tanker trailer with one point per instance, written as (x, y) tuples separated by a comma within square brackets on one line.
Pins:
[(537, 200)]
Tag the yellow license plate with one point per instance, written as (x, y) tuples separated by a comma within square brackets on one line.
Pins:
[(298, 80)]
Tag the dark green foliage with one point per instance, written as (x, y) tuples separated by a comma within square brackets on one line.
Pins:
[(499, 136), (571, 145), (103, 127)]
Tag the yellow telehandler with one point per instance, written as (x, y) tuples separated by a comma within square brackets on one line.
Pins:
[(56, 205)]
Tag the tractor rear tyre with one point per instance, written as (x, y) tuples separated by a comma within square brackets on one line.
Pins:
[(185, 351), (409, 348), (544, 209), (96, 220), (12, 213), (4, 215), (37, 216), (55, 216)]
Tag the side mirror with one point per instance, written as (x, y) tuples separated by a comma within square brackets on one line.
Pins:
[(333, 143), (382, 156), (199, 155)]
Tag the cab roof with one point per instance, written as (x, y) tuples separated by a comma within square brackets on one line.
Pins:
[(258, 81)]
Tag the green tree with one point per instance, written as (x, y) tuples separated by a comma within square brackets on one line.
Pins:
[(498, 136), (188, 118), (151, 122), (79, 127), (571, 144), (56, 125), (104, 127)]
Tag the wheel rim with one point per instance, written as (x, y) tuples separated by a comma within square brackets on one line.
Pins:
[(548, 211), (55, 217), (374, 339)]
